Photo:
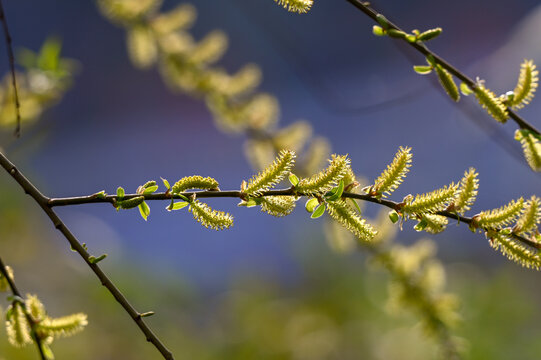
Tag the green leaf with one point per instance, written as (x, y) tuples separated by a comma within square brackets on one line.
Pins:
[(318, 211), (382, 20), (95, 260), (183, 197), (465, 89), (250, 203), (100, 195), (144, 209), (393, 216), (120, 192), (422, 69), (49, 54), (311, 204), (47, 352), (166, 183), (336, 193), (378, 30), (356, 205), (150, 189), (177, 206), (421, 225), (411, 38), (396, 34), (429, 34), (430, 60), (293, 179)]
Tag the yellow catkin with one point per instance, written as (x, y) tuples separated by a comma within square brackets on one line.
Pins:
[(531, 146), (491, 103), (298, 6), (515, 251), (325, 180), (500, 216), (447, 82), (467, 192), (431, 202), (394, 174), (345, 215), (526, 86), (273, 174), (209, 218)]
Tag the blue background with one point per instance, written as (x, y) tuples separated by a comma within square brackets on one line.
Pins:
[(119, 126)]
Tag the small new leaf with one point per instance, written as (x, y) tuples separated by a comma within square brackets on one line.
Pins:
[(422, 69), (166, 184), (429, 34), (311, 204), (319, 211), (177, 205), (393, 216), (144, 210), (120, 193), (378, 30), (336, 193), (293, 179), (465, 89), (95, 260)]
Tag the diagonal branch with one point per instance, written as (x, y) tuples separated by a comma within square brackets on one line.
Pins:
[(111, 199), (43, 202), (11, 60), (423, 49), (31, 322)]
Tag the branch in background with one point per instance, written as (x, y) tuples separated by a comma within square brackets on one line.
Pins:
[(500, 108), (162, 39), (11, 60), (91, 261)]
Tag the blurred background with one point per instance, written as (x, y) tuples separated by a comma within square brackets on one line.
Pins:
[(267, 288)]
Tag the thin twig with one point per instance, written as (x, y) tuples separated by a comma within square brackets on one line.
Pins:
[(422, 48), (31, 322), (112, 199), (11, 60), (43, 202)]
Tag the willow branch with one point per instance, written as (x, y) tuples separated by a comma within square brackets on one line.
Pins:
[(11, 60), (112, 199), (31, 322), (43, 202), (423, 49)]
